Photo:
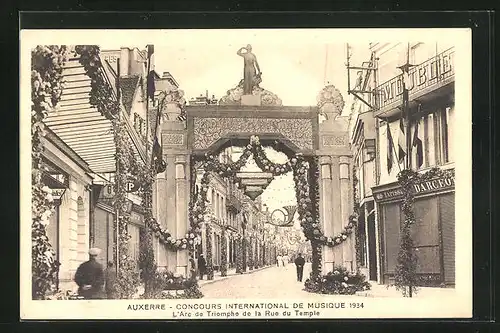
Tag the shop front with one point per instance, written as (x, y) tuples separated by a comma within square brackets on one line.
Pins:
[(103, 235), (433, 233)]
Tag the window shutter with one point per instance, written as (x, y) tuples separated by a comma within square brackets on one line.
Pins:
[(392, 223), (447, 205)]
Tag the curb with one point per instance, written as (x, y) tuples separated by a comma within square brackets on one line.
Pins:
[(232, 275)]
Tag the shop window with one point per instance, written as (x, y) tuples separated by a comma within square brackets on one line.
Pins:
[(134, 241), (391, 223), (103, 234)]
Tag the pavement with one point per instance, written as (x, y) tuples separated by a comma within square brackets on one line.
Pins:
[(281, 283), (269, 282), (379, 290)]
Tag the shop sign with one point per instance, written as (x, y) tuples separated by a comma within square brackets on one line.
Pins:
[(108, 191), (421, 188), (132, 186), (57, 193), (434, 185), (424, 75)]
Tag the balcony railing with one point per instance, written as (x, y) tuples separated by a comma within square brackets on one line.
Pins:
[(435, 71)]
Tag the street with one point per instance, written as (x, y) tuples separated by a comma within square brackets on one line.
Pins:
[(273, 282)]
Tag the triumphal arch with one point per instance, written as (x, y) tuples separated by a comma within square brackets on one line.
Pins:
[(252, 117)]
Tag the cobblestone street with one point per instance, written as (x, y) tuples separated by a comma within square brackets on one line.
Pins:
[(271, 282)]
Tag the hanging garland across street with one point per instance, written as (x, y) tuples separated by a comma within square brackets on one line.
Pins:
[(304, 177), (46, 90), (405, 275)]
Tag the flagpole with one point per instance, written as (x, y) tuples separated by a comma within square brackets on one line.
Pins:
[(405, 68), (147, 104)]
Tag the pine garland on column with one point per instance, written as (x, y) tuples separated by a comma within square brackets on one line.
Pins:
[(239, 255), (209, 258), (223, 259), (244, 248), (250, 254), (313, 174), (147, 264), (128, 274)]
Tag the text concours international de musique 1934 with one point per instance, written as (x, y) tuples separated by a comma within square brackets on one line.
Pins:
[(243, 310)]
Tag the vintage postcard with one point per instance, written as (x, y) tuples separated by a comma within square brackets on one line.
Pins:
[(242, 174)]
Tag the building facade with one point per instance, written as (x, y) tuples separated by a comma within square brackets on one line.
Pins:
[(375, 135), (235, 217), (79, 161)]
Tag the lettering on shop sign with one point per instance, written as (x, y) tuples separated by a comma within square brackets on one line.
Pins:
[(419, 188), (435, 184), (111, 58), (57, 193), (426, 74)]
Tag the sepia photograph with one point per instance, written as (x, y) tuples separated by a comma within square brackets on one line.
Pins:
[(239, 174)]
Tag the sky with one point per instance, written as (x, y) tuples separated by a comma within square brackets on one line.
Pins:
[(296, 64), (294, 72)]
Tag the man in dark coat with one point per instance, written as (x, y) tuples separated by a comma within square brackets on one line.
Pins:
[(111, 281), (299, 263), (90, 277), (202, 266)]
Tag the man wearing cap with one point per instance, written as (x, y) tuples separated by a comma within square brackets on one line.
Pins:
[(90, 277)]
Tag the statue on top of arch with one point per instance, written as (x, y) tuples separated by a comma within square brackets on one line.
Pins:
[(249, 85)]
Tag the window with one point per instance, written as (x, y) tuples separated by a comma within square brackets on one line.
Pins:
[(434, 131)]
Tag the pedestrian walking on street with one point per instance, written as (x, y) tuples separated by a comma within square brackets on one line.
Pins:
[(202, 266), (111, 282), (285, 260), (299, 263), (90, 277), (278, 260)]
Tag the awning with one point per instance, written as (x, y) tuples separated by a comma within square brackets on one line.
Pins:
[(80, 125)]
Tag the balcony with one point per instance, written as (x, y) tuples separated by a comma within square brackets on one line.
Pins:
[(434, 77)]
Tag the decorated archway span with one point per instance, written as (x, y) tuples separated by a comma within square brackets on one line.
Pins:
[(305, 174)]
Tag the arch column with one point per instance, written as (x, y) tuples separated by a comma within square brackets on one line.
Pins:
[(172, 192), (335, 183)]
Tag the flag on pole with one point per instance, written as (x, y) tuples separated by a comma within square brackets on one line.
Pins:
[(402, 137), (417, 143), (403, 144), (158, 162), (151, 74), (390, 149)]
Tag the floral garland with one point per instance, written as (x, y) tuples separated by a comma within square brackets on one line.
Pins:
[(101, 97), (128, 275), (406, 278), (338, 282), (46, 91), (304, 176), (101, 93)]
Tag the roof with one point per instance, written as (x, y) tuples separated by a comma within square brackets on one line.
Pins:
[(81, 126), (128, 87)]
